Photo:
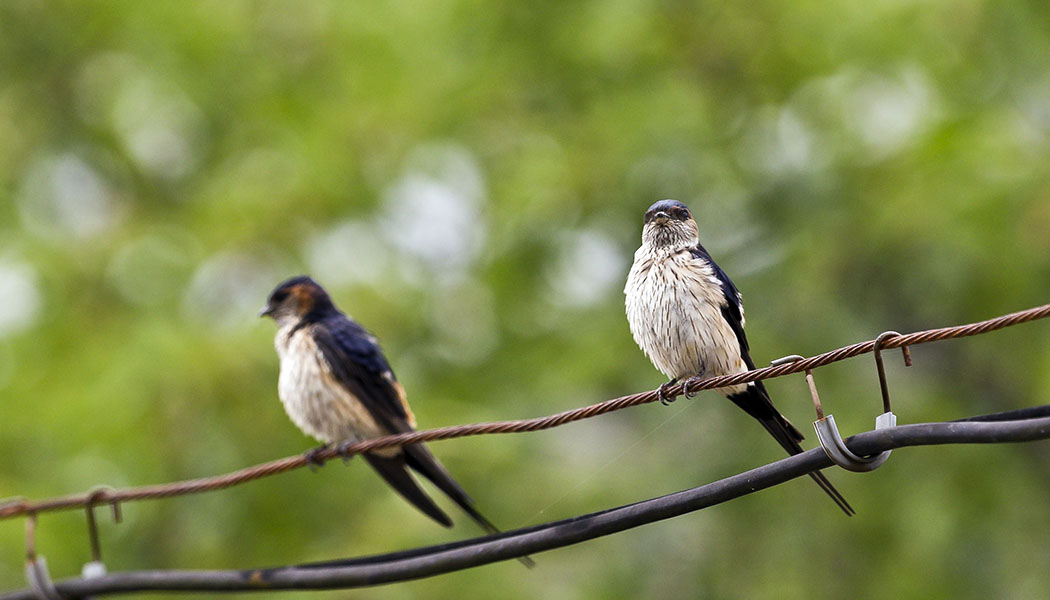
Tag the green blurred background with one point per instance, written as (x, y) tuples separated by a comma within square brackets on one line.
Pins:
[(468, 179)]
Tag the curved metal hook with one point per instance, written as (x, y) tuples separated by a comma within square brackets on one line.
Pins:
[(828, 433), (96, 568), (877, 349), (40, 580), (36, 566), (833, 445), (879, 341)]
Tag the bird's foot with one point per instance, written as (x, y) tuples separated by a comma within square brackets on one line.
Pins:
[(662, 393), (695, 378), (313, 457), (685, 387), (343, 451)]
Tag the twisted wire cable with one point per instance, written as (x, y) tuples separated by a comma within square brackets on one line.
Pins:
[(102, 496)]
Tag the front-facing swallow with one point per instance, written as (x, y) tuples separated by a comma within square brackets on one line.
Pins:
[(337, 386), (688, 318)]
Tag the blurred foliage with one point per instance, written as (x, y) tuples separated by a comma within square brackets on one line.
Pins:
[(468, 180)]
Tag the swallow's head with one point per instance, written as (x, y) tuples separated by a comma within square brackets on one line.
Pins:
[(295, 299), (669, 223)]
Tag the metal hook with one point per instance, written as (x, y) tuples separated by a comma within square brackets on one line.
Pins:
[(833, 445), (36, 566), (828, 433), (813, 392), (809, 380), (96, 551), (31, 536), (877, 349), (40, 580), (95, 568)]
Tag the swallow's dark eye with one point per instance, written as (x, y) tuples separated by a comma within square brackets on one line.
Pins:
[(279, 296)]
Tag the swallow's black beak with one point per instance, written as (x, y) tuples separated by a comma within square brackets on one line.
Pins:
[(661, 217), (266, 311)]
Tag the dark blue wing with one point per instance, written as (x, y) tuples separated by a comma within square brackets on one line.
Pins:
[(754, 400), (358, 364), (732, 310)]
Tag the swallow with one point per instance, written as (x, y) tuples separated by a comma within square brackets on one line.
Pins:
[(337, 386), (688, 318)]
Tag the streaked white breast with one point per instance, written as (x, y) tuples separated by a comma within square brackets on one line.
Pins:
[(674, 308), (318, 404)]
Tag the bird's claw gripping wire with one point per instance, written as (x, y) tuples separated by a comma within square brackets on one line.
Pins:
[(692, 380), (343, 450), (313, 457), (662, 392), (699, 376)]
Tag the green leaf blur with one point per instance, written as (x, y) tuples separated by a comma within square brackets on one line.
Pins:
[(468, 179)]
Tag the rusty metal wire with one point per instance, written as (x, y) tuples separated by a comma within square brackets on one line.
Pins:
[(1025, 425), (102, 496)]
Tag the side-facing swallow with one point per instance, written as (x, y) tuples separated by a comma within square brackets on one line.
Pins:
[(337, 386), (687, 316)]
